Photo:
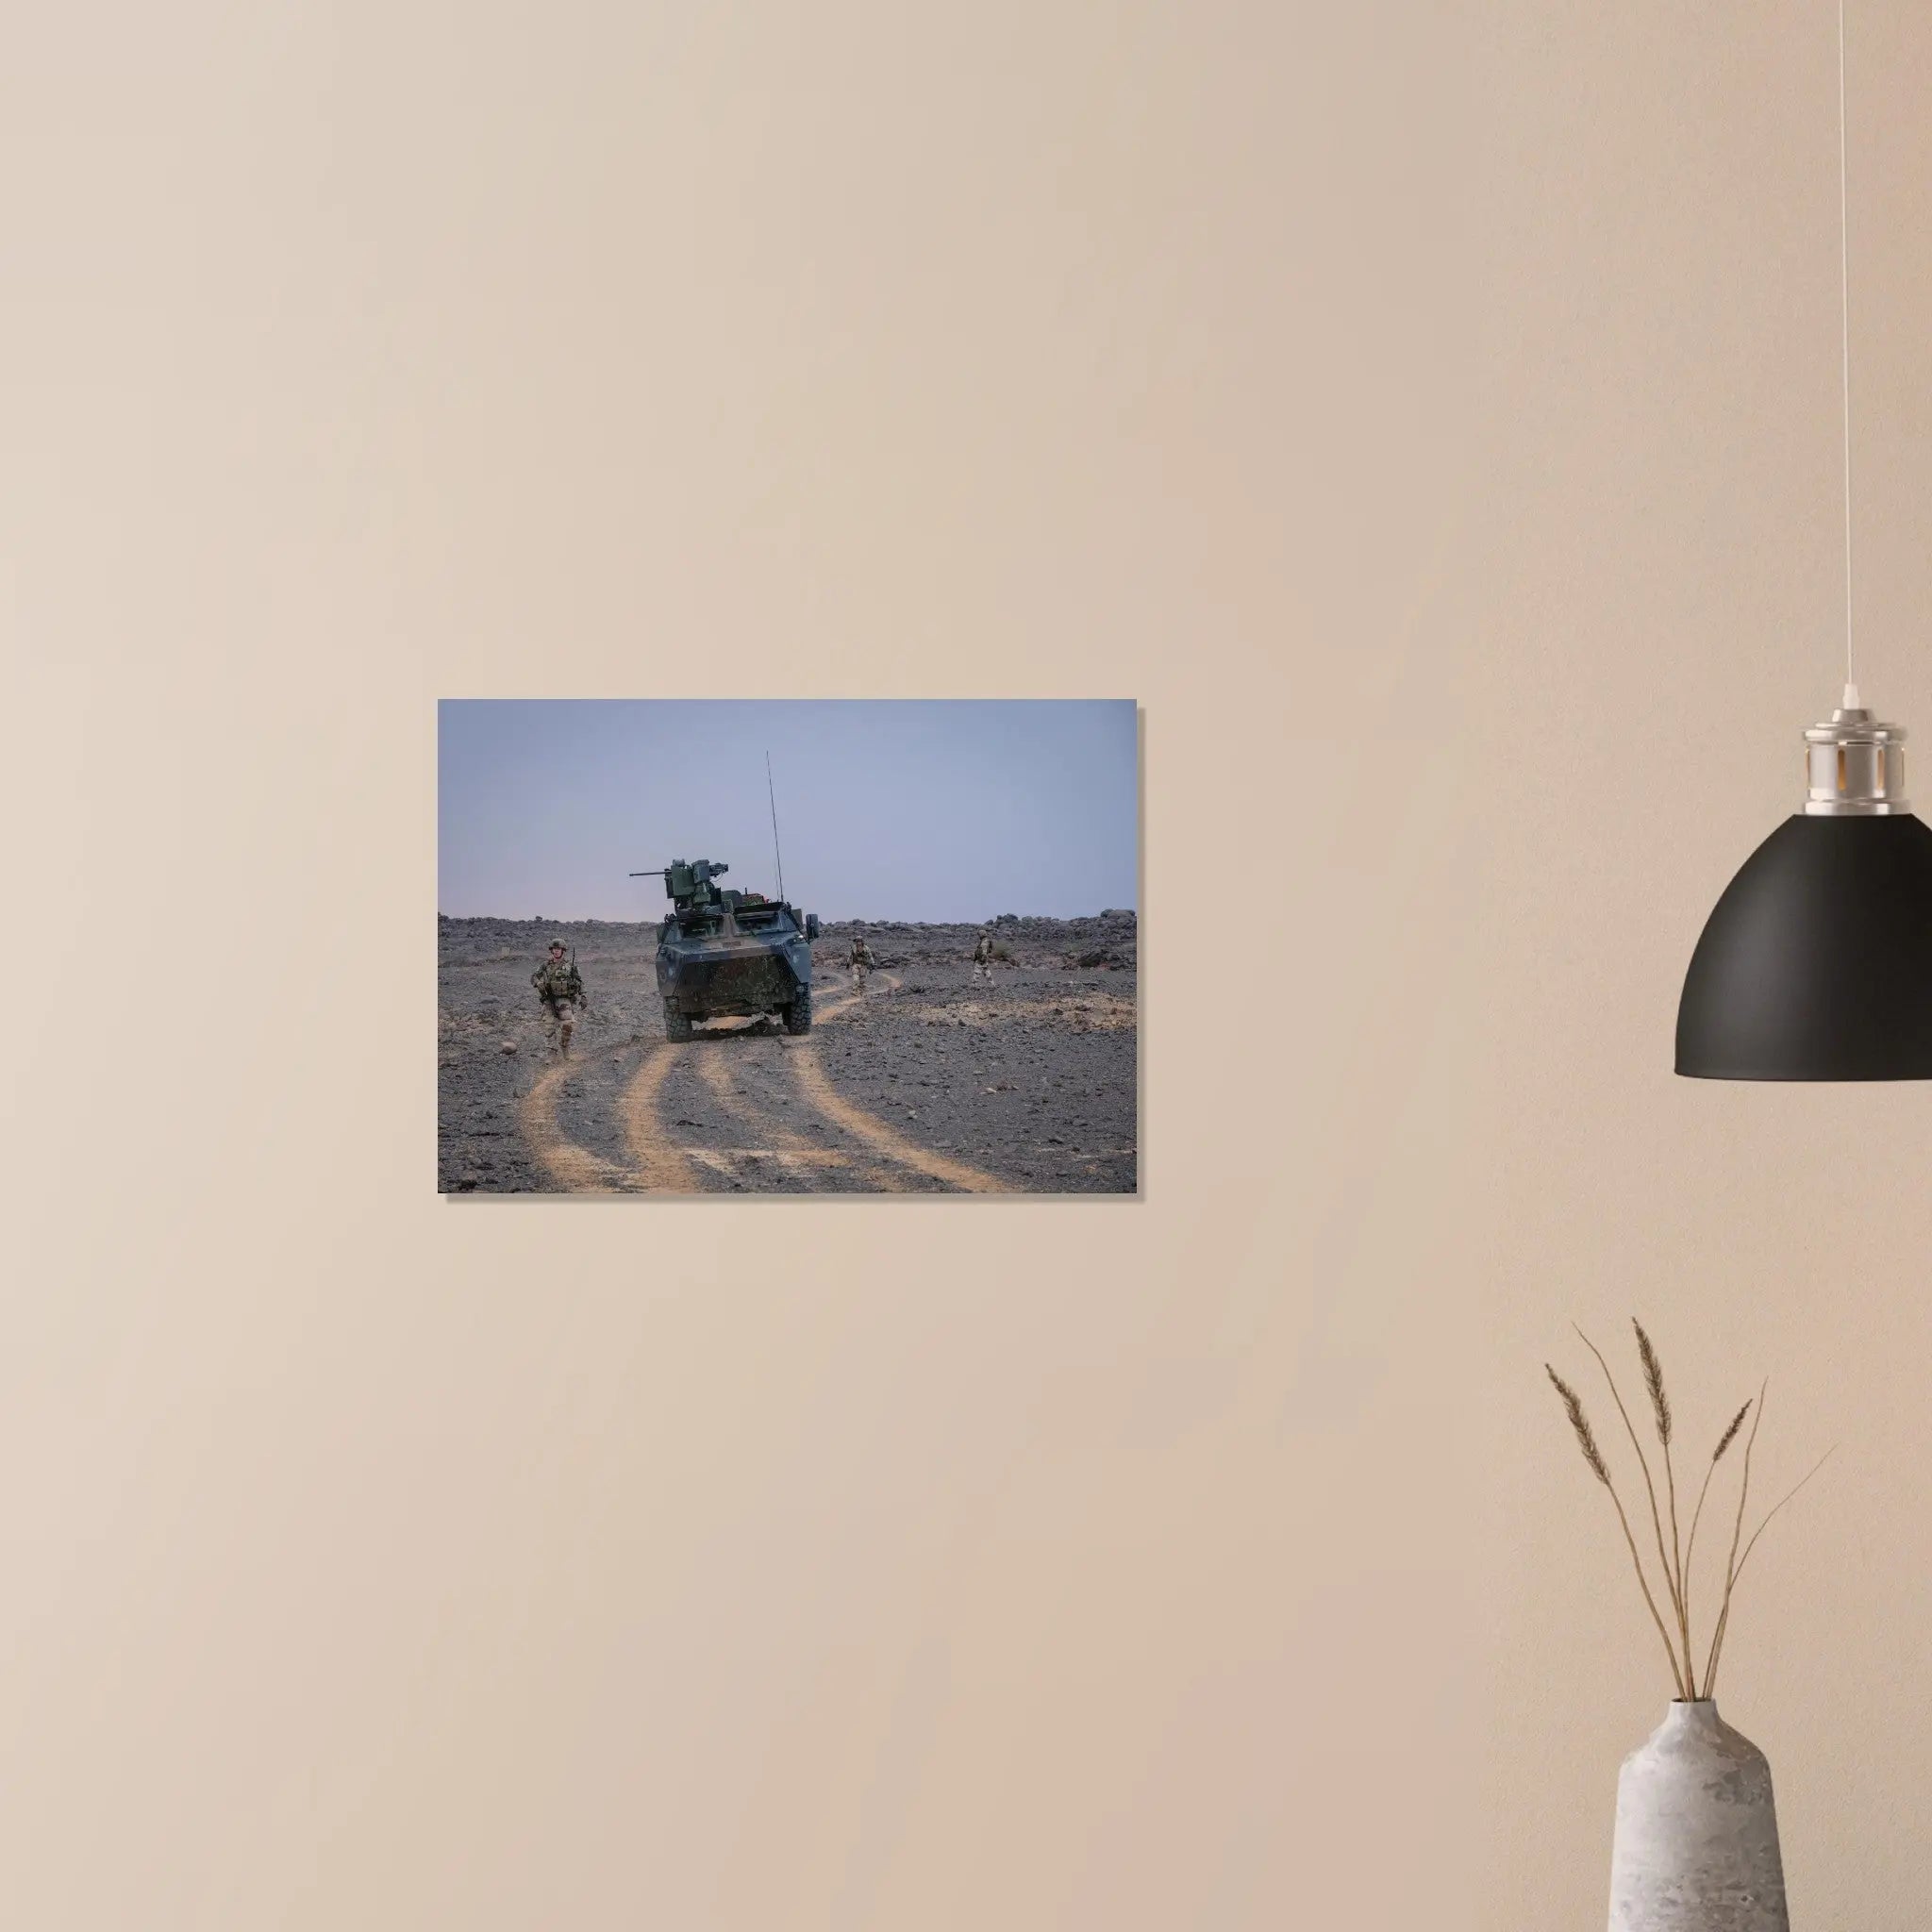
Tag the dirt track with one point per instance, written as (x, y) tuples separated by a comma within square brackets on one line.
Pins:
[(929, 1084)]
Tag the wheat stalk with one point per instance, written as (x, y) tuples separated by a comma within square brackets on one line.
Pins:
[(1660, 1411), (1717, 1456), (1586, 1439), (1656, 1522), (1677, 1574), (1717, 1635), (1731, 1583)]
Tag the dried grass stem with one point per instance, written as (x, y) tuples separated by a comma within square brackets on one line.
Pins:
[(1674, 1558), (1586, 1439), (1656, 1522)]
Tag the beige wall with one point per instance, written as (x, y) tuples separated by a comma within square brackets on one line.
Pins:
[(1664, 595), (1429, 415)]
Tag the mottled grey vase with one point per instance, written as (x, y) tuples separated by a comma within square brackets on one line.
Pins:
[(1697, 1847)]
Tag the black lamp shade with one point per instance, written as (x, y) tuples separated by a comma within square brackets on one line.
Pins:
[(1817, 963)]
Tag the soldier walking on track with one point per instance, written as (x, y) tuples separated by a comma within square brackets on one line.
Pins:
[(561, 990), (862, 961), (982, 958)]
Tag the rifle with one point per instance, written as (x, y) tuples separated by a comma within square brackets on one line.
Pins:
[(583, 998)]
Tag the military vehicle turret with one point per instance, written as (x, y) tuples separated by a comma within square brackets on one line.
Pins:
[(724, 953)]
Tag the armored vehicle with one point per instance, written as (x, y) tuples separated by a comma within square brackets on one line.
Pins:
[(723, 953)]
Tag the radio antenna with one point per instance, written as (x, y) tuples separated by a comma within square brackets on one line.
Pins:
[(774, 797)]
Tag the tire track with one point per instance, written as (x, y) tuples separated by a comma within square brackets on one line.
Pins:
[(876, 1134), (868, 1128), (662, 1167), (730, 1094), (891, 981), (574, 1169), (794, 1151)]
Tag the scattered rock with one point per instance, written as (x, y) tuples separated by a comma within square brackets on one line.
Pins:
[(1036, 1033)]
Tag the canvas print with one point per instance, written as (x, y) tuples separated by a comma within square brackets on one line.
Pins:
[(794, 946)]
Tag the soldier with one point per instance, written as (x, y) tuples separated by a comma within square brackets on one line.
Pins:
[(982, 958), (559, 988), (862, 961)]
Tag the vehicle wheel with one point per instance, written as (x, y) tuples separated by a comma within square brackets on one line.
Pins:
[(798, 1014), (676, 1026)]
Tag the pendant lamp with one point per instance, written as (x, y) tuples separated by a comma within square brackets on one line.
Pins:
[(1816, 964)]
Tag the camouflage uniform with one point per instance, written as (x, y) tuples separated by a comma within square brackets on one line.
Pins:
[(982, 959), (862, 960), (559, 988)]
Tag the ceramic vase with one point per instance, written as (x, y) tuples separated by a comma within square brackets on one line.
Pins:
[(1696, 1845)]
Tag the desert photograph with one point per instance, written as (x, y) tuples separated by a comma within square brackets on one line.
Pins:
[(789, 947)]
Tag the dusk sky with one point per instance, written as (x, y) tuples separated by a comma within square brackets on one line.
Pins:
[(952, 809)]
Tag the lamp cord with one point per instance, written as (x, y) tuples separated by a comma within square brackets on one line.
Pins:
[(1844, 265)]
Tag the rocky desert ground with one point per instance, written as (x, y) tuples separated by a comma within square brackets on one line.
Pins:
[(930, 1084)]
